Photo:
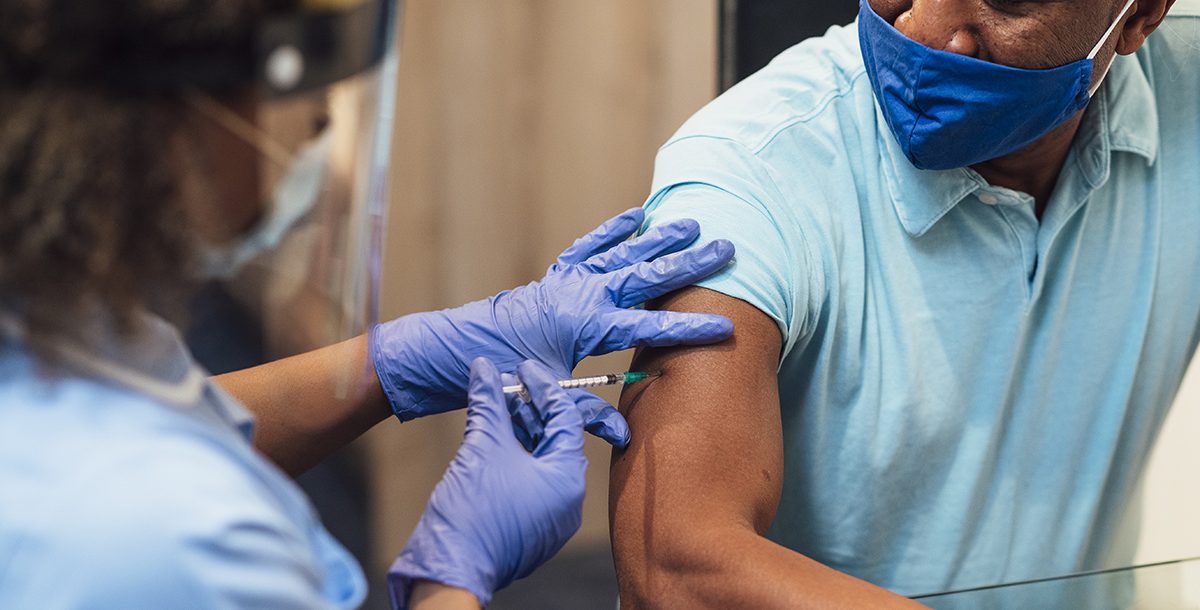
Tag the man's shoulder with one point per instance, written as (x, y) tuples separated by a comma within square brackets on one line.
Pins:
[(1172, 51), (807, 87), (1185, 8)]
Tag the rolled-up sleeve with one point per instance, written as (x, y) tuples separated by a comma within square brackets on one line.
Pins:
[(731, 194)]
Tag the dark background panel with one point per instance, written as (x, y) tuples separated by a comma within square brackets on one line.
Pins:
[(754, 31)]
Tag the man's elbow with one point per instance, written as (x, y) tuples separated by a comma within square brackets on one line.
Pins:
[(672, 567)]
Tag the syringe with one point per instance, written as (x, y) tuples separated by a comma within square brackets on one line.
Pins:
[(588, 382)]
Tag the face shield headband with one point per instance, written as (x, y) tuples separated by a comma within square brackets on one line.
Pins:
[(320, 43)]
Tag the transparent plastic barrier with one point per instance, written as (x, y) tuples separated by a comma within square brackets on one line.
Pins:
[(1168, 585)]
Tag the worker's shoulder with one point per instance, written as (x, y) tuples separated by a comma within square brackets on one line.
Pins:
[(132, 470), (813, 88), (58, 424), (135, 514), (97, 464)]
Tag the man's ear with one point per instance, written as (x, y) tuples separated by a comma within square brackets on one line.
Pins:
[(1149, 14)]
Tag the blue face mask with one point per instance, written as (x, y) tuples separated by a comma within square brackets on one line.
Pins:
[(949, 111)]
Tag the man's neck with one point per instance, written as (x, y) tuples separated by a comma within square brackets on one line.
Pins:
[(1034, 169)]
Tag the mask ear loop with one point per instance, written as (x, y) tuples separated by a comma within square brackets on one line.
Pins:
[(1100, 45), (237, 125)]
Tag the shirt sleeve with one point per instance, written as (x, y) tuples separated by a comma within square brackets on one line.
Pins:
[(731, 193), (179, 528)]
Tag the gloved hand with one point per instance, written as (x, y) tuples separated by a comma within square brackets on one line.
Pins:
[(578, 310), (499, 512)]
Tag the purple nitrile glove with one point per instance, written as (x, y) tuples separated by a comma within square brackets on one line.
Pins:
[(580, 309), (500, 511)]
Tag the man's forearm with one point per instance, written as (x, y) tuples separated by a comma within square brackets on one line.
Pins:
[(735, 567), (309, 406)]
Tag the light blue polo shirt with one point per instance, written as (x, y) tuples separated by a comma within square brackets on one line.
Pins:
[(969, 394), (127, 480)]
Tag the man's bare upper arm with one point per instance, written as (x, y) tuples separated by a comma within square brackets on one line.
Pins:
[(707, 439)]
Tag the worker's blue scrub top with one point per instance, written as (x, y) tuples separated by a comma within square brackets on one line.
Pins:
[(128, 481), (969, 393)]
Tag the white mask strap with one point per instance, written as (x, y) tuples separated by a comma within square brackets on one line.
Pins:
[(1100, 45), (1112, 28), (237, 125)]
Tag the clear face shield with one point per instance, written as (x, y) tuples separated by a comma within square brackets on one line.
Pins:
[(299, 174)]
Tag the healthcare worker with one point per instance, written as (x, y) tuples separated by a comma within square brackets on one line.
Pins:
[(137, 140)]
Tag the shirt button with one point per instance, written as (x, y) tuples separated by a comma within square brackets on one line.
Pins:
[(988, 199)]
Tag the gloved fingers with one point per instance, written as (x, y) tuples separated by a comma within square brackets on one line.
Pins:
[(563, 421), (649, 280), (602, 420), (527, 422), (487, 409), (632, 328), (658, 241), (604, 237)]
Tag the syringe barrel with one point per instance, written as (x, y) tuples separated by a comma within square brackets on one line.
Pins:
[(575, 384), (590, 382)]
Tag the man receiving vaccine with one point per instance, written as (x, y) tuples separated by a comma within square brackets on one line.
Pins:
[(966, 291)]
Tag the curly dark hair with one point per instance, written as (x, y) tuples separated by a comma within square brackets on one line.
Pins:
[(91, 210)]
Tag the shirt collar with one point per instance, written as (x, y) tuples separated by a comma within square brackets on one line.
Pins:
[(150, 358), (1125, 120), (1123, 117)]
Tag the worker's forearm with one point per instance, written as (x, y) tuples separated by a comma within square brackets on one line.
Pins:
[(311, 405), (435, 596), (737, 568)]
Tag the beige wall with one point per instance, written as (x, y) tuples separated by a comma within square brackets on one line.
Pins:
[(522, 125), (1171, 516)]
